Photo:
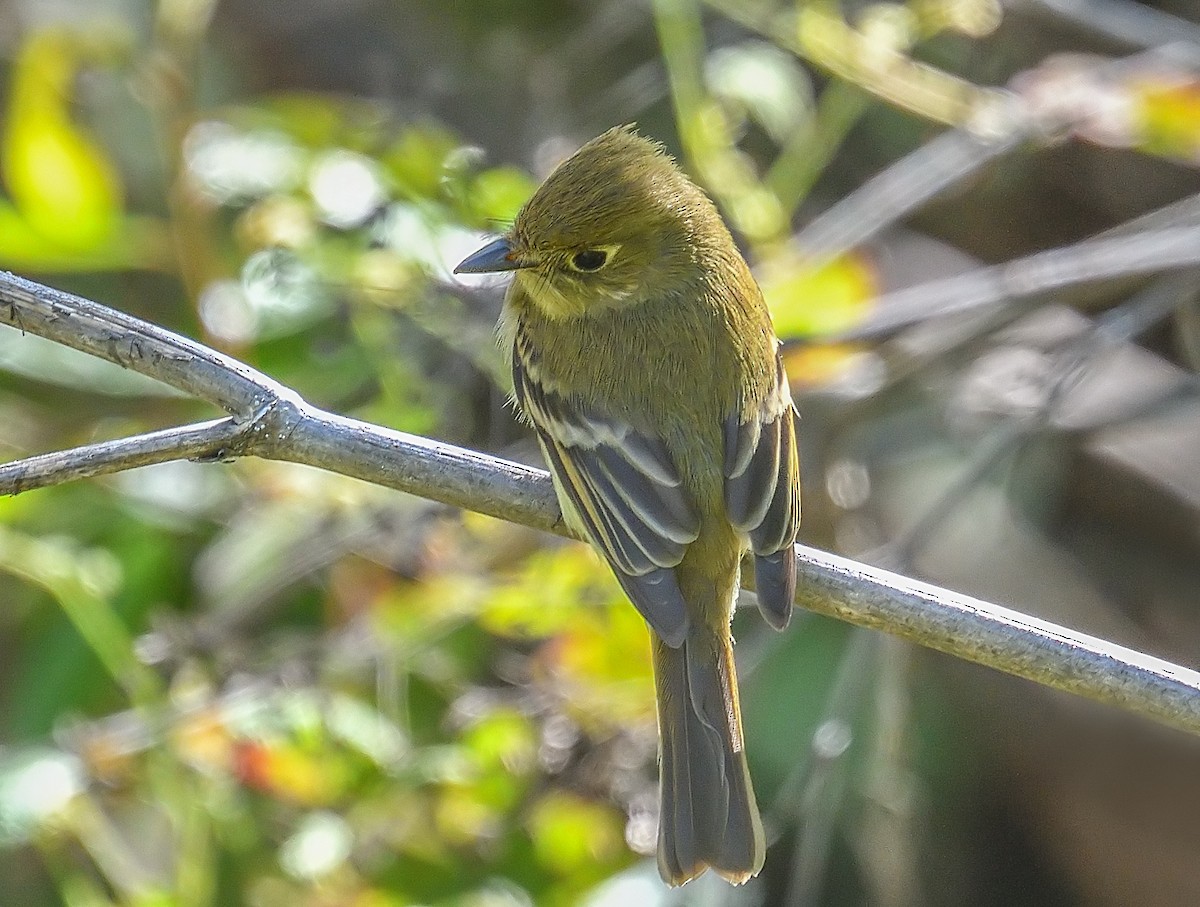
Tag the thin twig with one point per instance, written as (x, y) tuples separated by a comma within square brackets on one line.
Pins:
[(1006, 122), (1087, 262), (1134, 25), (281, 426), (1002, 121), (1182, 213), (216, 440), (1074, 357), (936, 167)]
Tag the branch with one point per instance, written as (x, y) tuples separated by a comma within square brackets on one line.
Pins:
[(138, 345), (999, 637), (884, 200), (270, 421), (1002, 121), (274, 422), (1133, 25), (1089, 261), (217, 440)]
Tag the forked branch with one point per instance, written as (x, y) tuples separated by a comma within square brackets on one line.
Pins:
[(269, 420)]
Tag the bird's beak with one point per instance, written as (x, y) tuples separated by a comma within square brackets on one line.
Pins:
[(498, 255)]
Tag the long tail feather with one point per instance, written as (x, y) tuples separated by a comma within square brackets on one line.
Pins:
[(709, 817)]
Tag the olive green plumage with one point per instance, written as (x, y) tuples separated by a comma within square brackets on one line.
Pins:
[(644, 357)]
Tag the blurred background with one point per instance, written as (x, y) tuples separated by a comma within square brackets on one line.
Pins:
[(256, 683)]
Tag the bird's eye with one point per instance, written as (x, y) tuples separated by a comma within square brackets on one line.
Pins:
[(589, 260)]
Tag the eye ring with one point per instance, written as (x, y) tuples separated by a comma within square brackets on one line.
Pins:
[(589, 260)]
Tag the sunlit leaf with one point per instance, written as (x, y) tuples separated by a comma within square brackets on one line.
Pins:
[(417, 160), (280, 221), (205, 741), (821, 365), (35, 786), (600, 666), (320, 845), (504, 738), (546, 594), (135, 242), (811, 302), (291, 773), (571, 833), (358, 726), (295, 746), (319, 120), (346, 187), (233, 165), (765, 80), (498, 194), (1169, 118), (488, 773), (60, 178), (463, 816), (283, 291)]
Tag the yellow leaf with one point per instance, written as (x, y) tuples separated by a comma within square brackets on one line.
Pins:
[(820, 365), (60, 179), (137, 242), (600, 665), (546, 595), (1169, 118), (571, 834), (814, 302), (290, 773), (463, 817), (498, 194), (504, 739)]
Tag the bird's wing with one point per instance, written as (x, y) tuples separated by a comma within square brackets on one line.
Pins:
[(624, 489), (762, 493)]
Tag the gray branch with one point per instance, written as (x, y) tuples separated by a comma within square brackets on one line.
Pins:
[(272, 421), (268, 420), (1006, 122), (217, 440), (1089, 261)]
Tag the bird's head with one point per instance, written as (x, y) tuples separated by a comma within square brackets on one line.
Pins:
[(613, 225)]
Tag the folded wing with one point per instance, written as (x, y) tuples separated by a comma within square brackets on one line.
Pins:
[(625, 491), (762, 494)]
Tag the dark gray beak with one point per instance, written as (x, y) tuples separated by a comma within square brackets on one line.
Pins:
[(495, 256)]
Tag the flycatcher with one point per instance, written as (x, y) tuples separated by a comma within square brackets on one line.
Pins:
[(644, 358)]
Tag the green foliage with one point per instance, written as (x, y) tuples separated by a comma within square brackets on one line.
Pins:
[(259, 684), (213, 692)]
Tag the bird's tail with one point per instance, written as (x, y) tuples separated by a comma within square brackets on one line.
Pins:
[(708, 817)]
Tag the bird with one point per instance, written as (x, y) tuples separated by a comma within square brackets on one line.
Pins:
[(644, 357)]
